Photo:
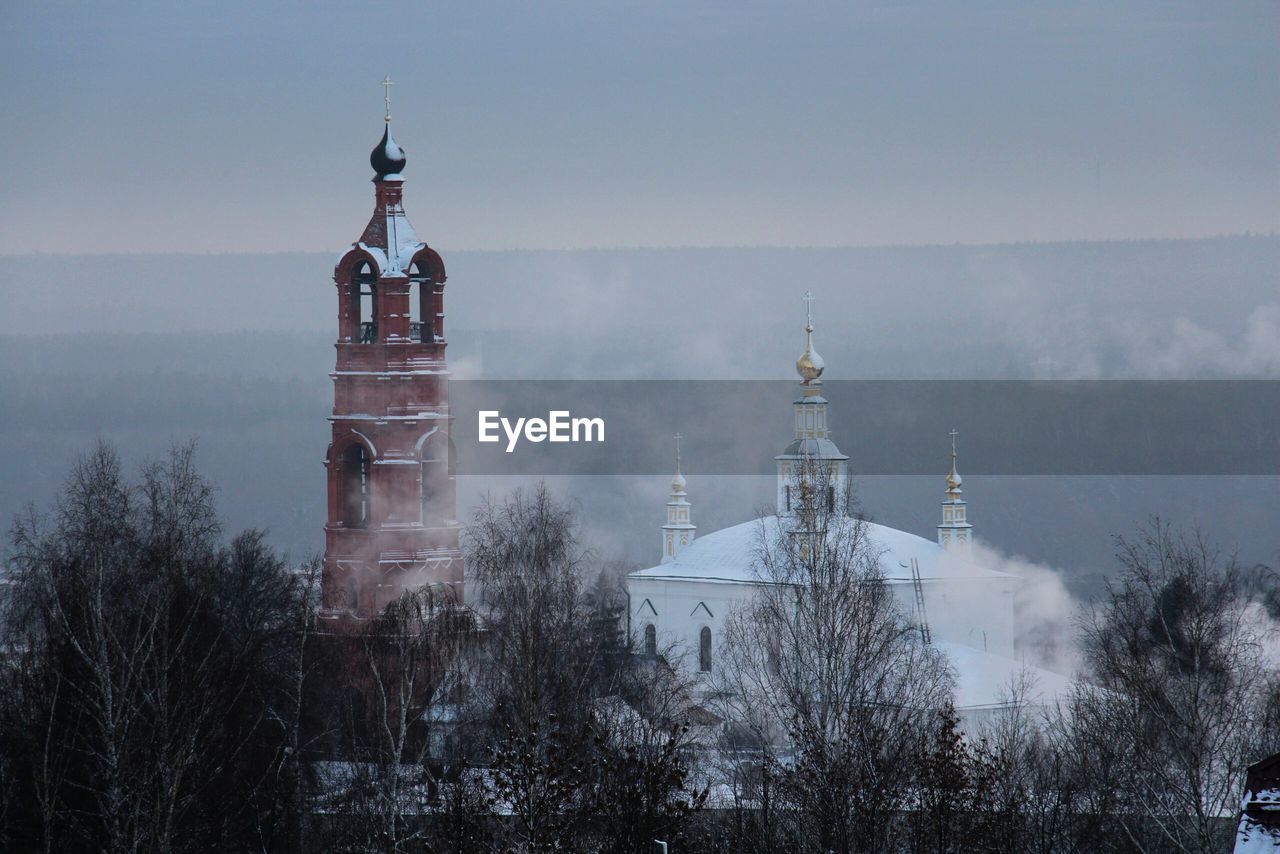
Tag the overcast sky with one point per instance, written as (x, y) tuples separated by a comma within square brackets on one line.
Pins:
[(246, 127)]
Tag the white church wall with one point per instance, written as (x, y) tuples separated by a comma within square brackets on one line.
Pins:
[(682, 609)]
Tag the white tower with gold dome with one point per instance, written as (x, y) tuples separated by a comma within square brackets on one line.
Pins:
[(812, 446), (679, 530), (955, 530)]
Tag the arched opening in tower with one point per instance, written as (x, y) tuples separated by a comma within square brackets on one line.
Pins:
[(421, 316), (364, 294)]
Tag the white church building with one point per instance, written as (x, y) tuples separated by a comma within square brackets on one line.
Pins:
[(968, 610)]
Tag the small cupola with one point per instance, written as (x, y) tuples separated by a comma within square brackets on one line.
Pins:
[(387, 158)]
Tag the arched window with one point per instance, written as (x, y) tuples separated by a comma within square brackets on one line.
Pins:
[(434, 477), (364, 296), (650, 640), (421, 320), (353, 595), (354, 484), (704, 650)]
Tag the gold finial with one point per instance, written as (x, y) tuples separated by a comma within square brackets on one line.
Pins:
[(953, 477), (809, 366), (386, 97)]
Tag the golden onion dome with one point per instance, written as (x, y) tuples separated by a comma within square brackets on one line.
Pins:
[(810, 365)]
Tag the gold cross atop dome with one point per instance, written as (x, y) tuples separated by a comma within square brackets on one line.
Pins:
[(678, 482), (953, 477), (809, 366)]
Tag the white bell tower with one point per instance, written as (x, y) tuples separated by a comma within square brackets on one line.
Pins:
[(955, 532), (679, 530)]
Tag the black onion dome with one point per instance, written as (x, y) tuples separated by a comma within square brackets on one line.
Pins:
[(387, 158)]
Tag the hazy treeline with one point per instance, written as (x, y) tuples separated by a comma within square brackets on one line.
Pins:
[(168, 689), (1149, 308), (145, 350)]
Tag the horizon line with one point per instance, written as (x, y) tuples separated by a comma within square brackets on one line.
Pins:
[(678, 247)]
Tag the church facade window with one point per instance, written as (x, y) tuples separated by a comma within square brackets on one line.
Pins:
[(354, 486), (650, 639), (433, 475), (704, 649), (353, 595)]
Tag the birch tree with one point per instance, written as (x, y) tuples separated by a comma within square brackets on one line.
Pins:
[(825, 669)]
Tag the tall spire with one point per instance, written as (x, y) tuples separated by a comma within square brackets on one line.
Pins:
[(812, 442), (955, 530), (679, 530), (953, 478)]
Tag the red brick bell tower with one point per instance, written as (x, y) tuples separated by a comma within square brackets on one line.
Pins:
[(392, 521)]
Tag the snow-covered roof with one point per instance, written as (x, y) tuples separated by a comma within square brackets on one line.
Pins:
[(983, 679), (1253, 837), (730, 555)]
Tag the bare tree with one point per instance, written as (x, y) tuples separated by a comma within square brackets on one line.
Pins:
[(823, 667), (143, 649), (950, 800), (1176, 689), (406, 659), (540, 663), (1029, 790), (589, 745), (644, 772)]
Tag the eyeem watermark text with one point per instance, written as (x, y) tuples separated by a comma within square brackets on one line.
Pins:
[(558, 426)]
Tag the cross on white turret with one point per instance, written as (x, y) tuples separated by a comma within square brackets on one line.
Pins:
[(386, 97), (679, 530), (955, 530), (808, 307)]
